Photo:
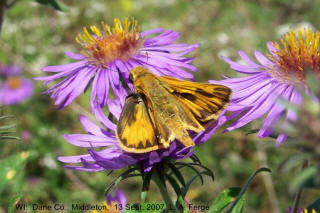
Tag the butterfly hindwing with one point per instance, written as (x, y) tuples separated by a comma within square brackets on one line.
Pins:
[(205, 101), (135, 130)]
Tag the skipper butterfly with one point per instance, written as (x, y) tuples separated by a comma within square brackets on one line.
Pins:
[(163, 109)]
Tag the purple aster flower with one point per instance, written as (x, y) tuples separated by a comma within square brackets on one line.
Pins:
[(10, 70), (15, 89), (280, 76), (114, 204), (109, 54), (118, 199), (112, 157)]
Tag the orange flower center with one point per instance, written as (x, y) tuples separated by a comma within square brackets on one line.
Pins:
[(14, 82), (122, 42), (298, 54)]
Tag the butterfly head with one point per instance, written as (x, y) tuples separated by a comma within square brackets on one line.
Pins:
[(137, 72)]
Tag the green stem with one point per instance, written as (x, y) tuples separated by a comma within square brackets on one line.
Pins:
[(299, 192), (156, 176)]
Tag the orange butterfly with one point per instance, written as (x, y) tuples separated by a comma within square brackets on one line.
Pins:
[(162, 109)]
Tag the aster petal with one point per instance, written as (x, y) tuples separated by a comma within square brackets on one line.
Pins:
[(253, 89), (84, 140), (65, 67), (248, 60), (162, 59), (112, 163), (120, 197), (102, 118), (125, 70), (153, 31), (262, 59), (272, 49), (281, 138), (180, 73), (255, 96), (274, 114), (208, 132), (47, 79), (74, 56), (61, 85), (246, 69), (241, 82), (74, 89), (100, 87), (164, 38), (86, 166), (296, 99), (90, 127), (91, 168), (113, 75), (263, 104), (172, 48), (75, 158), (113, 106)]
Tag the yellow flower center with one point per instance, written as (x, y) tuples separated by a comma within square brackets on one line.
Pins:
[(14, 82), (104, 45), (298, 53)]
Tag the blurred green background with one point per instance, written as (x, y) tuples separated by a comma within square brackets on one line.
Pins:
[(34, 36)]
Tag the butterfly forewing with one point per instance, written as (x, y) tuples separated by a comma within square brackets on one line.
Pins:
[(135, 130), (205, 101)]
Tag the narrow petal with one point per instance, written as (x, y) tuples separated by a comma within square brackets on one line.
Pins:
[(75, 56), (90, 127)]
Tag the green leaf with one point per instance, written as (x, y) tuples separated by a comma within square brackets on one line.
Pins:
[(191, 167), (6, 116), (143, 196), (185, 189), (209, 172), (224, 199), (10, 166), (13, 203), (9, 126), (146, 181), (126, 174), (292, 162), (177, 174), (239, 207), (246, 185), (174, 185), (195, 159), (9, 137), (304, 177), (54, 4), (145, 185)]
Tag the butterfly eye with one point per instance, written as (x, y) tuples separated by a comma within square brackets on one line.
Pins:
[(131, 78)]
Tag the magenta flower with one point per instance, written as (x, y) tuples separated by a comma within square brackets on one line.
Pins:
[(14, 88), (109, 55), (280, 76)]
